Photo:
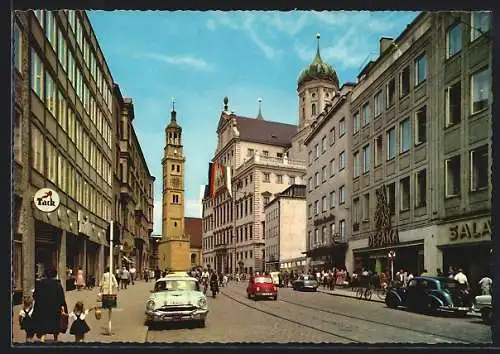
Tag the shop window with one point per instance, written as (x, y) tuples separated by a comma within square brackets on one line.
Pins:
[(332, 199), (342, 195), (267, 178), (324, 206), (391, 197), (378, 150), (366, 158), (341, 161), (480, 90), (480, 24), (366, 207), (355, 123), (404, 187), (366, 113), (404, 82), (453, 104), (356, 164), (420, 69), (421, 188), (454, 40), (452, 179), (391, 143), (341, 127), (391, 92), (421, 126), (479, 168)]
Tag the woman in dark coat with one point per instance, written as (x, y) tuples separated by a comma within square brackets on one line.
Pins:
[(49, 298)]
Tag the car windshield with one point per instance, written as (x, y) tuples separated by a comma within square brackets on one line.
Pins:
[(180, 284), (449, 284), (263, 280), (307, 277)]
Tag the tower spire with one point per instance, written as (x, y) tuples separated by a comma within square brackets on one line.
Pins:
[(173, 114), (259, 116), (318, 56)]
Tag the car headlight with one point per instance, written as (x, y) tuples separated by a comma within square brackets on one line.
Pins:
[(202, 303), (150, 305), (258, 289)]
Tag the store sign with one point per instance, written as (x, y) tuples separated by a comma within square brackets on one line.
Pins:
[(471, 230), (381, 239), (46, 200)]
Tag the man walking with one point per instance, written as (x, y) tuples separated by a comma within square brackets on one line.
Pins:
[(132, 274), (124, 278)]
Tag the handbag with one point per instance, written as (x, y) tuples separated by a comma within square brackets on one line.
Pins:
[(98, 314), (109, 301), (63, 322)]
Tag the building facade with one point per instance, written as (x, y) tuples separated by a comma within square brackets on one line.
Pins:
[(174, 246), (194, 232), (423, 115), (285, 230)]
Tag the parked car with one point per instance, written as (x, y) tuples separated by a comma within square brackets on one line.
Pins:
[(430, 294), (177, 298), (305, 282), (261, 287), (482, 304)]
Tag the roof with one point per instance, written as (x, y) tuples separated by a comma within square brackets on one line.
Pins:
[(192, 227), (265, 131), (318, 70)]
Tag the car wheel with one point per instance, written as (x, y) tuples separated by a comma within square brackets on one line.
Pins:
[(201, 324), (391, 302), (430, 307), (487, 316), (275, 297)]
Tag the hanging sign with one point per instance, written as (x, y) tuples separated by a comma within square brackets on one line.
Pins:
[(46, 200)]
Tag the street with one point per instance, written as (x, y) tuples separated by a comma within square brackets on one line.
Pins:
[(295, 317)]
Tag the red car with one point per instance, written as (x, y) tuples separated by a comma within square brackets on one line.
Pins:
[(261, 287)]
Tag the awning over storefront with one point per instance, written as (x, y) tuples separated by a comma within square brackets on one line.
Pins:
[(325, 250)]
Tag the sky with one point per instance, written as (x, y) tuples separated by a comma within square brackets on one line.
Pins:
[(200, 57)]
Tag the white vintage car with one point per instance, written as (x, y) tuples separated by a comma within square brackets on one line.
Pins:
[(176, 298), (482, 305)]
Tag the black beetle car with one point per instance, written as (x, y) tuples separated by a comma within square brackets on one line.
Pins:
[(430, 294)]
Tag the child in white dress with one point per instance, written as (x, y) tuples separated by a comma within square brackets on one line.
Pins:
[(79, 326), (26, 319)]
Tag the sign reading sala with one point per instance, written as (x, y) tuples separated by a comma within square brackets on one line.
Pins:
[(471, 230), (46, 200)]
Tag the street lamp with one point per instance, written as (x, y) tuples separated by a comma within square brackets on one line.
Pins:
[(392, 255)]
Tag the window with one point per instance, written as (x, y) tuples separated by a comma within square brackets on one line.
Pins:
[(39, 16), (404, 135), (310, 183), (342, 229), (51, 162), (421, 125), (332, 230), (355, 214), (452, 181), (323, 144), (356, 164), (479, 168), (378, 150), (279, 179), (454, 40), (267, 177), (453, 104), (391, 91), (316, 236), (421, 188), (36, 74), (62, 49), (366, 206), (309, 157), (378, 100), (480, 24), (324, 174), (391, 143), (342, 195), (62, 111), (316, 151), (366, 158), (72, 19), (309, 210), (265, 153), (279, 155), (332, 199), (420, 69), (391, 197), (332, 136), (366, 114), (266, 200), (37, 142), (50, 28), (480, 90), (341, 161), (341, 127), (404, 186), (324, 206), (50, 94), (18, 47), (332, 167), (175, 199), (355, 121), (71, 68), (323, 234), (404, 82), (316, 207), (316, 179), (61, 172), (86, 52), (313, 109), (79, 33)]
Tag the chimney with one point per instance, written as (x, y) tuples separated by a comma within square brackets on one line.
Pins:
[(385, 42)]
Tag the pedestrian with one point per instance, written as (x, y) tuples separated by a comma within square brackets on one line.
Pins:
[(124, 277), (424, 273), (118, 275), (439, 272), (50, 303), (485, 283), (132, 274), (80, 279), (104, 283), (79, 326), (461, 278), (26, 319), (146, 275)]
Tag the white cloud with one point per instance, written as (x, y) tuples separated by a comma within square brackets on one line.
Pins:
[(288, 23), (251, 29), (211, 25), (188, 60), (192, 208)]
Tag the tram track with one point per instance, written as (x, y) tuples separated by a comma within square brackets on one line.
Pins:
[(270, 311)]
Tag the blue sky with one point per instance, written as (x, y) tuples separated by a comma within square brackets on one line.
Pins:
[(200, 57)]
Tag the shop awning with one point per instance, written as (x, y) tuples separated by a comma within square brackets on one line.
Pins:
[(128, 260)]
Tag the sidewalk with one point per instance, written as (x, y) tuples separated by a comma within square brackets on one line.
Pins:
[(348, 292), (127, 319)]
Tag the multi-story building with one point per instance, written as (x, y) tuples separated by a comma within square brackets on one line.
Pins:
[(328, 177), (194, 232), (62, 107), (426, 102), (253, 153), (285, 230), (133, 198)]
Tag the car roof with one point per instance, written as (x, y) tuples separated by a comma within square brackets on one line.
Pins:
[(176, 277), (432, 278)]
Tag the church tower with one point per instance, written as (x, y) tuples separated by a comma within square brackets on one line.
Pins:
[(317, 85), (175, 245)]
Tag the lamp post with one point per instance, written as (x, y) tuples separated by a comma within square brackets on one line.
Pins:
[(392, 255)]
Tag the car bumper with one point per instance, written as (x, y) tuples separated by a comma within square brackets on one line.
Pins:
[(455, 308), (479, 307), (176, 316)]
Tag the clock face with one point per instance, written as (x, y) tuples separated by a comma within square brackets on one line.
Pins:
[(176, 181)]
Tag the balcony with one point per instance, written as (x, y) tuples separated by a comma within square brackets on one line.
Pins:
[(272, 161), (125, 191), (124, 147)]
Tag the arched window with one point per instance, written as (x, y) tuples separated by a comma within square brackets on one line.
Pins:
[(193, 258), (313, 109), (303, 112)]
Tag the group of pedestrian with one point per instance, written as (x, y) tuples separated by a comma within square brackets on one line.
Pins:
[(125, 276)]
